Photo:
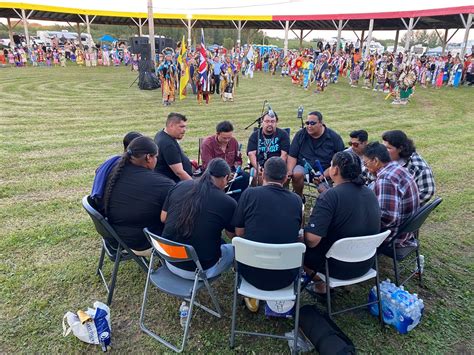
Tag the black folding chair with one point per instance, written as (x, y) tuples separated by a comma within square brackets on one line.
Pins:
[(122, 253), (412, 225)]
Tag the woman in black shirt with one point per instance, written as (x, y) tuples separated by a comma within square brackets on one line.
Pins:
[(134, 195), (195, 213)]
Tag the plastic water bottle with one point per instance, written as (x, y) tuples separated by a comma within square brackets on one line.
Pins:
[(183, 314)]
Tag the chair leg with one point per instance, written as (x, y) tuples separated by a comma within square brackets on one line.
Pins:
[(395, 266), (214, 300), (418, 264), (101, 260), (379, 298), (328, 293), (297, 316), (114, 276), (145, 295), (234, 312)]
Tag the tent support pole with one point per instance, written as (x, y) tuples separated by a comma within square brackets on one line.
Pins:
[(395, 46), (467, 26), (285, 42), (369, 37), (151, 30)]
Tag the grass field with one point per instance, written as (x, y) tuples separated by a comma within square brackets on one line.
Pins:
[(59, 124)]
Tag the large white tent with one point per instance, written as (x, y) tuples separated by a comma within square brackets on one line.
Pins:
[(265, 14)]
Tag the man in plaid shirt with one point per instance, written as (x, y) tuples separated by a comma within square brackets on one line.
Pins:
[(395, 189), (402, 150)]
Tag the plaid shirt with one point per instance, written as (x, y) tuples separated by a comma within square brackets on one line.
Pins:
[(423, 176), (397, 193)]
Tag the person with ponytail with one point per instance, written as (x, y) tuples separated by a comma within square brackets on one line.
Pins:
[(103, 171), (195, 213), (134, 195), (349, 209)]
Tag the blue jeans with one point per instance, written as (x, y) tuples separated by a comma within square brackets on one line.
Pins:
[(223, 264)]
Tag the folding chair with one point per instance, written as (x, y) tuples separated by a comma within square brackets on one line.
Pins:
[(164, 280), (268, 257), (122, 253), (352, 250), (412, 225)]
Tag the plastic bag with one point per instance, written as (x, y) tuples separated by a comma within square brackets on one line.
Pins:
[(91, 326)]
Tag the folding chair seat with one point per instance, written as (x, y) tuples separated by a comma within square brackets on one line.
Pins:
[(412, 225), (117, 255), (352, 250), (166, 281), (268, 257)]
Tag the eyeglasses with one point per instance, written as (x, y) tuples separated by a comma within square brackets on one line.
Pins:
[(353, 144), (311, 123), (366, 161)]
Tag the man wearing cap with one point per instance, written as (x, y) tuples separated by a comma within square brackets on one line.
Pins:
[(315, 142)]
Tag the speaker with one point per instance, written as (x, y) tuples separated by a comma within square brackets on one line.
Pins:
[(162, 43), (140, 45)]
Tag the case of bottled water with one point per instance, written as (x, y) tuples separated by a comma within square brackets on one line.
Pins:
[(400, 309)]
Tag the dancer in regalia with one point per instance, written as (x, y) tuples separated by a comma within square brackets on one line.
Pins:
[(167, 74)]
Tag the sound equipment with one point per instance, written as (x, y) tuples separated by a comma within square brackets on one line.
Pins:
[(140, 45)]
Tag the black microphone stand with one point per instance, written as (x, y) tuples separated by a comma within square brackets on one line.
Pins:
[(258, 121)]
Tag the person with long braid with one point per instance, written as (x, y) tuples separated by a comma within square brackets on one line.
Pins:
[(134, 195), (195, 213), (350, 209)]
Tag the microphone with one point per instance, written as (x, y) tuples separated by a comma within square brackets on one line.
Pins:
[(300, 112), (252, 175), (233, 192)]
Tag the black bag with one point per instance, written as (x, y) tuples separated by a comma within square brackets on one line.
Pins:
[(323, 333)]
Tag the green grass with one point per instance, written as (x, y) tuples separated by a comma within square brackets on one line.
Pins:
[(58, 125)]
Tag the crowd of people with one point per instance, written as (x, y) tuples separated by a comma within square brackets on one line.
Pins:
[(364, 189), (69, 52), (208, 72)]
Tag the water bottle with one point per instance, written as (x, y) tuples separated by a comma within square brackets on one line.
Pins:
[(183, 314)]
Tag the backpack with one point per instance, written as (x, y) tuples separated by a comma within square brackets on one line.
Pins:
[(323, 333)]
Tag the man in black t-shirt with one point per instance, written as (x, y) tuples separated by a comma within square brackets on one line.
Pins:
[(269, 214), (315, 142), (272, 142), (172, 162)]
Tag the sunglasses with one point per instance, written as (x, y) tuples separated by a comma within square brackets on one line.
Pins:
[(353, 144), (311, 123)]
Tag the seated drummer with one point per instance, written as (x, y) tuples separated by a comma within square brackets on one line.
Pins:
[(134, 195), (315, 142), (269, 214), (349, 209), (272, 142), (172, 162), (223, 145), (195, 213)]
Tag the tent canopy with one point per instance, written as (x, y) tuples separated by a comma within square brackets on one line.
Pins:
[(107, 38), (264, 14)]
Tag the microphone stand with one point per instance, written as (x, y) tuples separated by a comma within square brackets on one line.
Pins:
[(258, 121)]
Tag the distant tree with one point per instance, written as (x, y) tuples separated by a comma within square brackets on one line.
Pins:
[(228, 43), (421, 37), (433, 40)]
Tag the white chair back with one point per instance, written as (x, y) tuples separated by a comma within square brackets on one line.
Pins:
[(356, 249), (268, 256)]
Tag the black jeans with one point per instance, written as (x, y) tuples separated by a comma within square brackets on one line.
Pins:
[(216, 85)]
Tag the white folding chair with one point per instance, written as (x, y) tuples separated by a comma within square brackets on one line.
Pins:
[(268, 257), (352, 250)]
